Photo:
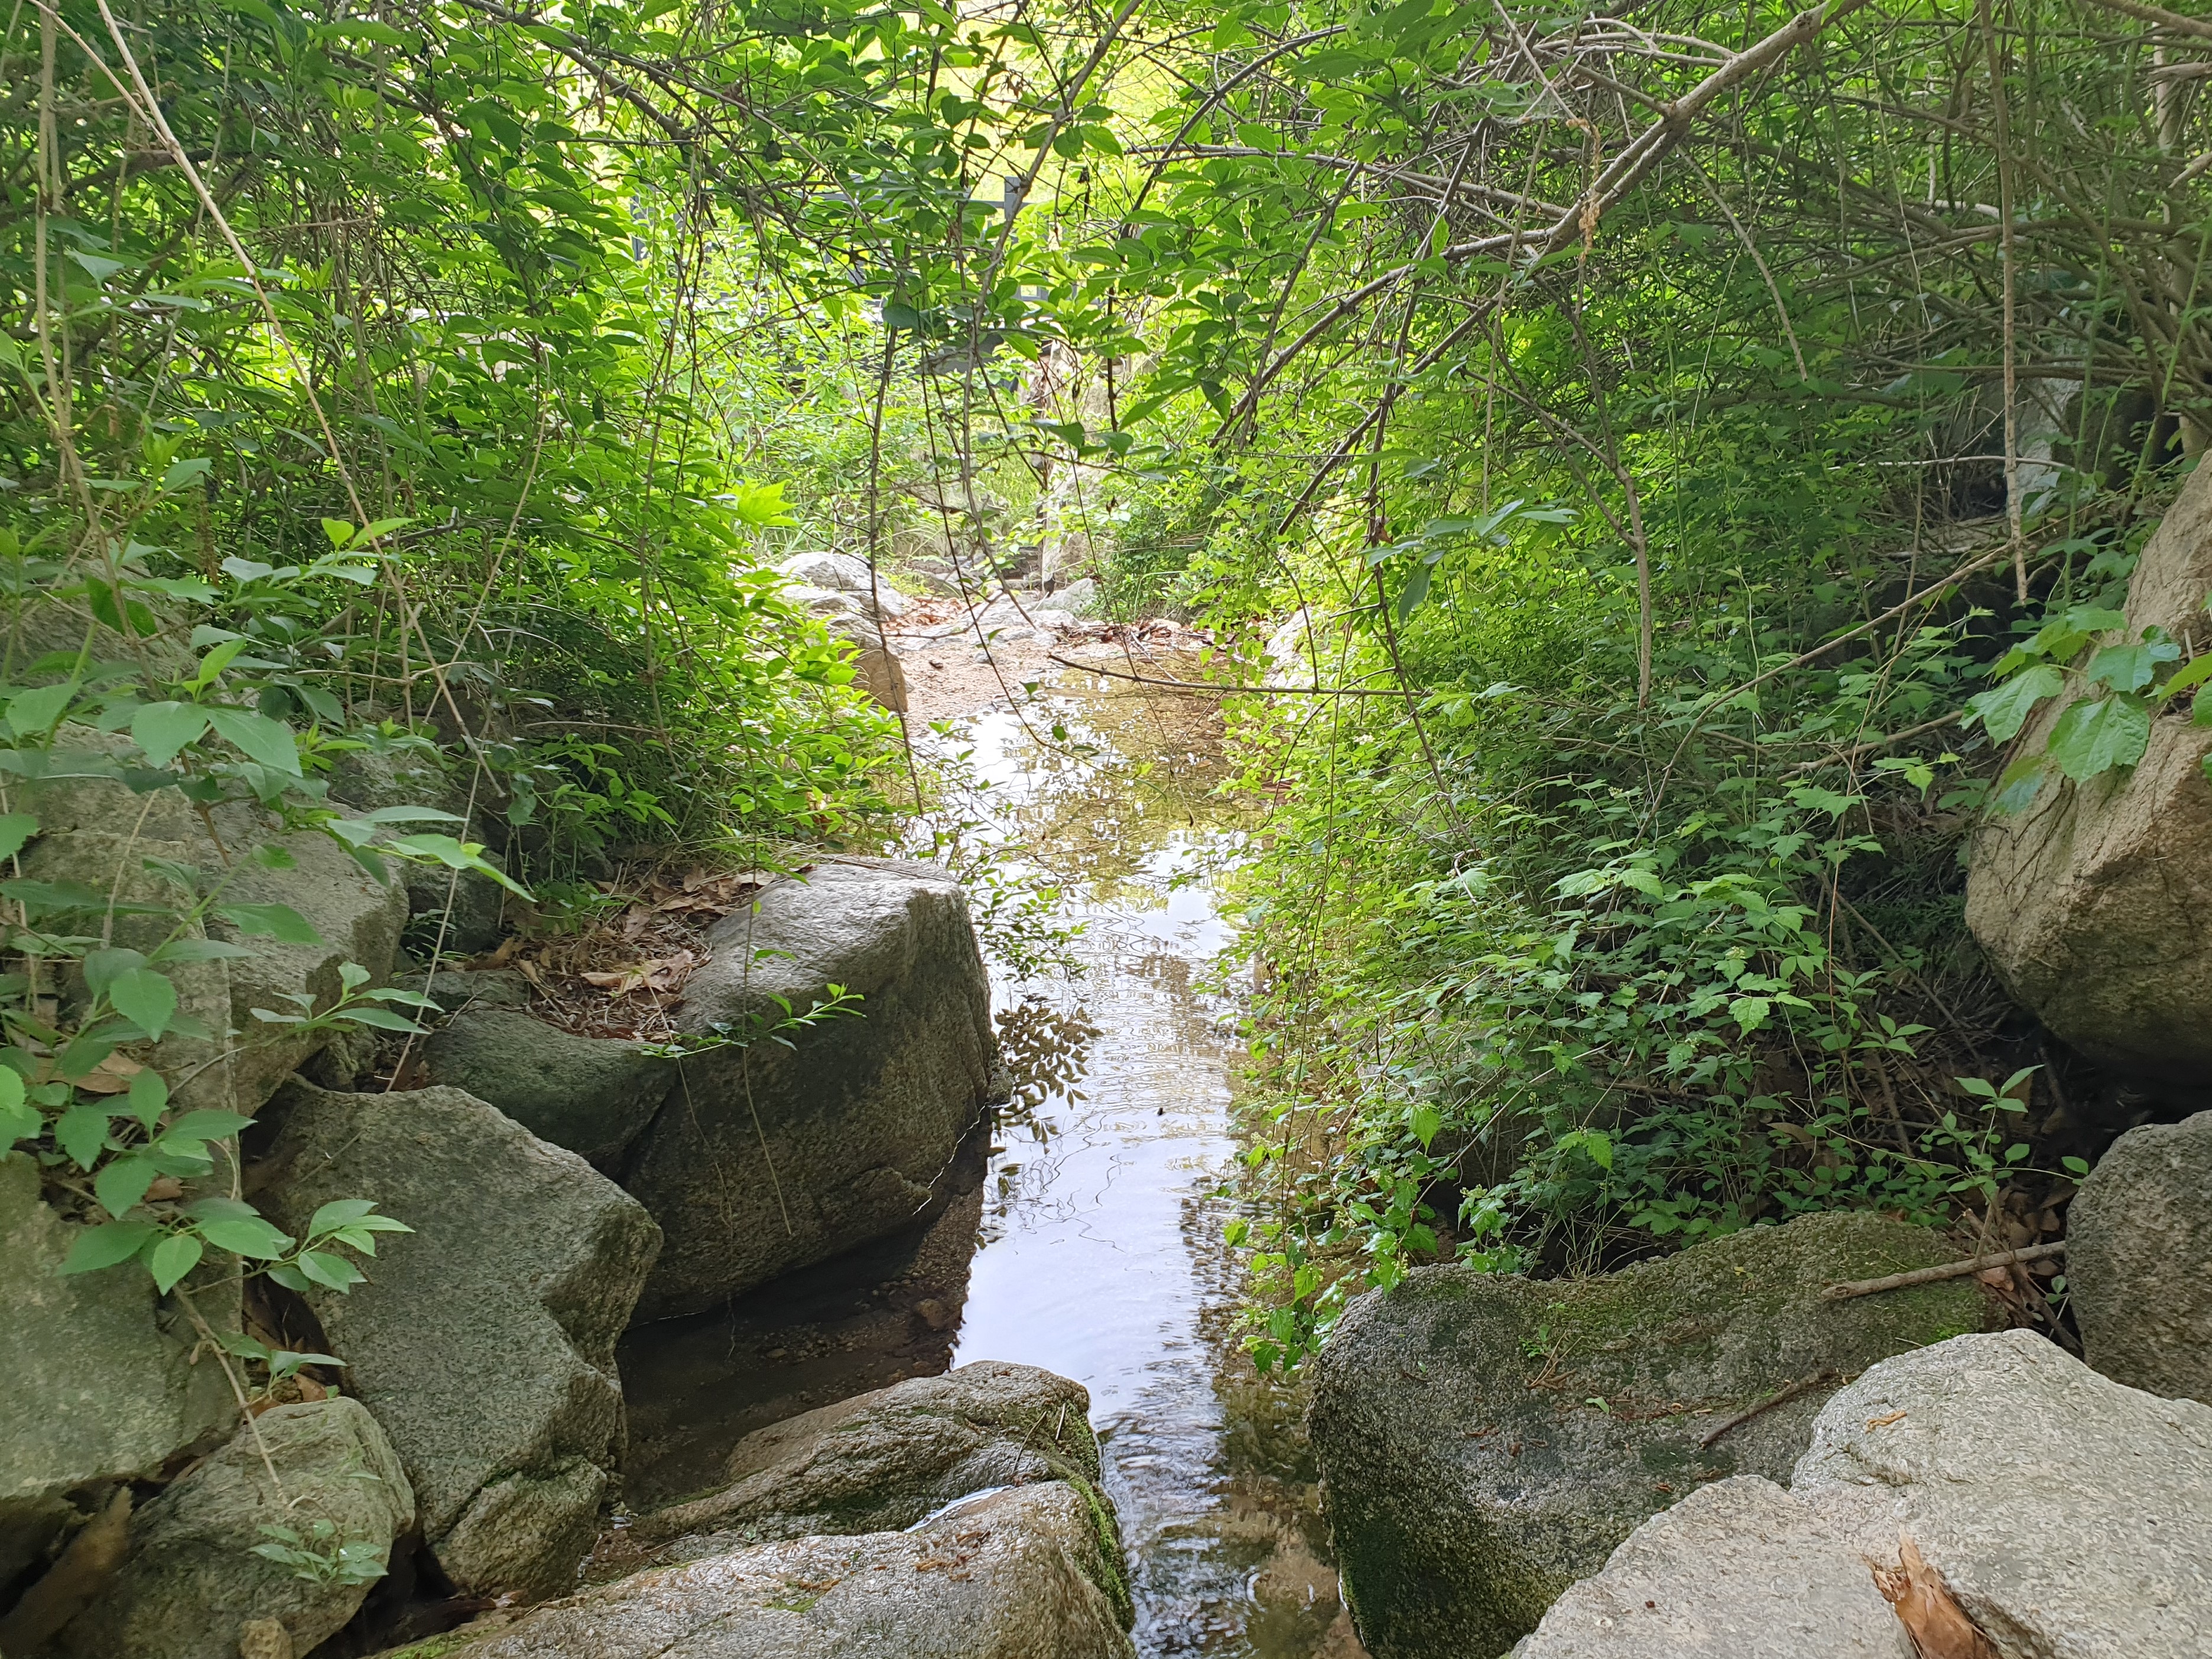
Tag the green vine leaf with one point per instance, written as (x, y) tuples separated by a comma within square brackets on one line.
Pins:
[(172, 1258), (2005, 708), (2096, 735), (108, 1245), (161, 730), (147, 999)]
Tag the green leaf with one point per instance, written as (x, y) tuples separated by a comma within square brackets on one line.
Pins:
[(286, 1362), (338, 1213), (454, 854), (1415, 590), (18, 1122), (1426, 1122), (331, 1272), (103, 968), (244, 1235), (33, 713), (108, 1245), (148, 1096), (172, 1258), (99, 269), (209, 1123), (278, 921), (2095, 736), (382, 1019), (162, 729), (2004, 708), (260, 739), (16, 828), (122, 1183), (146, 999), (81, 1131), (2194, 674), (2130, 667)]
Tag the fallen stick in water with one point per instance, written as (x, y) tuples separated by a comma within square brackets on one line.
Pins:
[(1948, 1270)]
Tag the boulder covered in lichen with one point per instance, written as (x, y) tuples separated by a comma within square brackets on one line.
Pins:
[(1013, 1575), (1487, 1440)]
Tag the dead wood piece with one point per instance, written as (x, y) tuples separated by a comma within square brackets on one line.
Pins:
[(1788, 1391), (1948, 1270), (77, 1575)]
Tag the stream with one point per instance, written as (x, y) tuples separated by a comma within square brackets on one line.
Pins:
[(1086, 1235)]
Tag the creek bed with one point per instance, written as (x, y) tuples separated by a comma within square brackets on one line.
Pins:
[(1086, 1236)]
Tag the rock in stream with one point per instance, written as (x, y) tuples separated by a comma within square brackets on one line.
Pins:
[(1484, 1441), (794, 1143)]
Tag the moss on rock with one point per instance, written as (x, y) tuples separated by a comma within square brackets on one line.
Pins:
[(1485, 1441)]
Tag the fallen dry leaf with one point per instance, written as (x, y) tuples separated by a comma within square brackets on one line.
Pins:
[(1884, 1420), (663, 973), (111, 1077), (1931, 1616)]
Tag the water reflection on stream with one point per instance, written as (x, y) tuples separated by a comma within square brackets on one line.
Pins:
[(1095, 1238), (1102, 1257)]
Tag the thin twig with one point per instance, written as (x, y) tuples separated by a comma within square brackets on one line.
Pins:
[(1972, 1264), (1787, 1392)]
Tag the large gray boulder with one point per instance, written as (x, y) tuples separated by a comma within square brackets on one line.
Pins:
[(97, 1383), (591, 1095), (845, 573), (787, 1146), (1485, 1441), (93, 831), (1025, 1574), (192, 1579), (485, 1339), (356, 918), (2090, 903), (883, 1461), (2070, 1516), (1738, 1570), (2139, 1260), (856, 617)]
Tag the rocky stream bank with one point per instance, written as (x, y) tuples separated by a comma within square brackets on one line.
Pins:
[(1713, 1453)]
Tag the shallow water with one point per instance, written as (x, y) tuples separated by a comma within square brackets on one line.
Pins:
[(1091, 1243)]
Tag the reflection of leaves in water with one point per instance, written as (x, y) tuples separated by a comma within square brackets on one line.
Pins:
[(1045, 1048)]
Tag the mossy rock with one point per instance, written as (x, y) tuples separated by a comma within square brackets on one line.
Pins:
[(1485, 1441)]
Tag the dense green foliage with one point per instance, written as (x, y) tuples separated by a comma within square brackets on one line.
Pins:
[(1687, 447)]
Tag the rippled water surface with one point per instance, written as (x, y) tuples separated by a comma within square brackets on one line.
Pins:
[(1095, 1229), (1102, 1257)]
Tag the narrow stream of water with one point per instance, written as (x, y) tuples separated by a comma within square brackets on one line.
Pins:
[(1090, 1241)]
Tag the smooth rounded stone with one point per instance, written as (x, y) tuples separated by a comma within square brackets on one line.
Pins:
[(861, 1114), (2091, 903), (1077, 598), (2070, 1516), (591, 1095), (885, 604), (1014, 1575), (1484, 1441), (1738, 1570), (2139, 1260), (192, 1582), (485, 1339), (883, 1461), (852, 616), (97, 1384), (846, 573)]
